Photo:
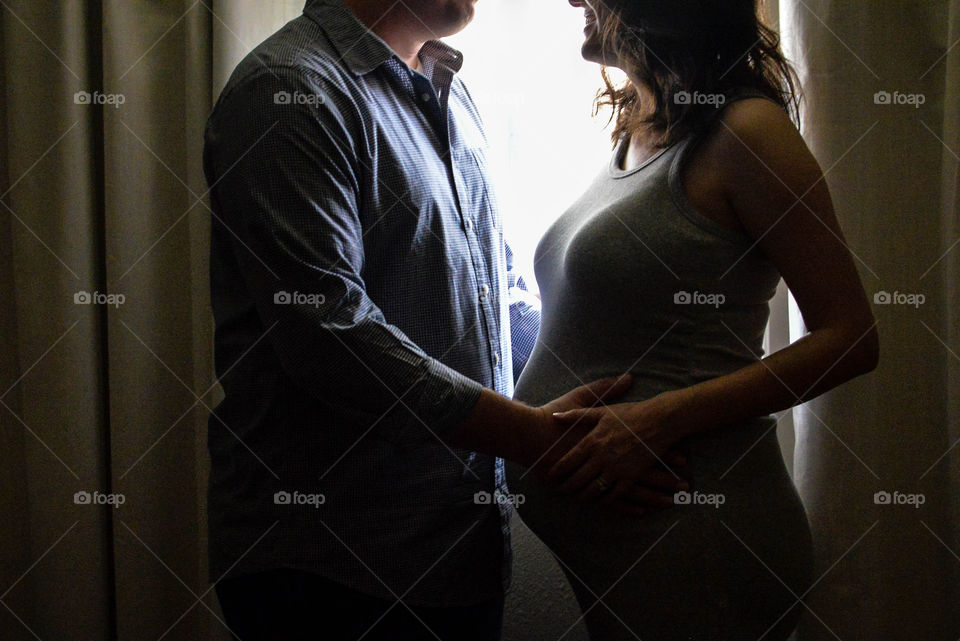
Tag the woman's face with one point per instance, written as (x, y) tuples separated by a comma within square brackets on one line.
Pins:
[(597, 13), (592, 49)]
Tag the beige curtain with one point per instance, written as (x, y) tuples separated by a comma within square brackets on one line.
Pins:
[(887, 571), (112, 398)]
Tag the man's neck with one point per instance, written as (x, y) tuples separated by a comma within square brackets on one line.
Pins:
[(398, 27)]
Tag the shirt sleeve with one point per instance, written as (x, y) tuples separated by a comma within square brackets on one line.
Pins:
[(524, 317), (285, 171)]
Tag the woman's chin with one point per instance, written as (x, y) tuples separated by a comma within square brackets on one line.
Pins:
[(592, 52)]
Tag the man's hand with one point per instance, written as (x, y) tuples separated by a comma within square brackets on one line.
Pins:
[(536, 439), (523, 434), (599, 392)]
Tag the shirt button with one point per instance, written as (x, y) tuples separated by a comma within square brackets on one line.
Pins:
[(425, 97), (469, 224), (496, 358), (484, 291)]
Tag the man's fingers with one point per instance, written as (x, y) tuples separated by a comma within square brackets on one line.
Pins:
[(573, 417), (578, 422), (608, 389)]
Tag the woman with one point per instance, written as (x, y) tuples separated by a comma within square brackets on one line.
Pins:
[(664, 268)]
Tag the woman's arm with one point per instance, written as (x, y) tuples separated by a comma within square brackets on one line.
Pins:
[(777, 191)]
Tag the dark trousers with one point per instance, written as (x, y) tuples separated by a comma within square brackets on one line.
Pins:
[(293, 605)]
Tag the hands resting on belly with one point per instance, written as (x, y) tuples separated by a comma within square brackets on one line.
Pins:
[(621, 456)]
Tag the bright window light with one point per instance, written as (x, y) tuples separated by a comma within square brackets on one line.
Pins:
[(523, 67)]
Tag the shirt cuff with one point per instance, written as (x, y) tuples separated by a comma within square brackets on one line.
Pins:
[(447, 398)]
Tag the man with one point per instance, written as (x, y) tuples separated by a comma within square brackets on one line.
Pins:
[(360, 293)]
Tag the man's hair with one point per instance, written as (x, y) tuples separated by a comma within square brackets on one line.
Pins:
[(688, 52)]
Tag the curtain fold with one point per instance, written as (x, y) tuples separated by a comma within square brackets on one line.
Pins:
[(103, 197), (886, 571), (150, 203), (54, 413), (950, 223)]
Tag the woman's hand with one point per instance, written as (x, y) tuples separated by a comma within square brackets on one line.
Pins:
[(551, 439), (653, 488), (623, 444)]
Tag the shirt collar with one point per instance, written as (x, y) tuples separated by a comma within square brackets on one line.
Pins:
[(361, 49), (436, 52)]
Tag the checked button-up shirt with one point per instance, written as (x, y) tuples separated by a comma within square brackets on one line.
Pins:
[(360, 293)]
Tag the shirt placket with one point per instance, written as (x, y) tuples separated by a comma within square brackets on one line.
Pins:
[(433, 99)]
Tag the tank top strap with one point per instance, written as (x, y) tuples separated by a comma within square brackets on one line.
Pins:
[(745, 92), (686, 146), (729, 97)]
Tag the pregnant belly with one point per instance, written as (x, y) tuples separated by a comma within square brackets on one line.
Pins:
[(733, 468), (742, 524)]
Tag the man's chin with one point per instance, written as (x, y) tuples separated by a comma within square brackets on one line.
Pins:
[(441, 18), (462, 13)]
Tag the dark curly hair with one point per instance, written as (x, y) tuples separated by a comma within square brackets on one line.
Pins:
[(682, 48)]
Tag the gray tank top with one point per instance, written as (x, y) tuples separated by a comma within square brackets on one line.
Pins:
[(634, 279)]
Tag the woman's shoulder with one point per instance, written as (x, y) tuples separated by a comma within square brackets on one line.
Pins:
[(743, 115), (743, 105), (752, 124), (751, 145)]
